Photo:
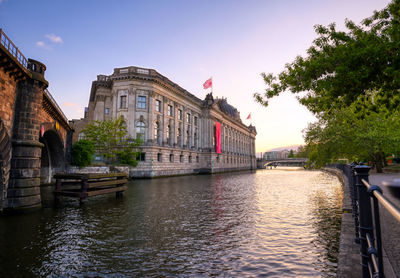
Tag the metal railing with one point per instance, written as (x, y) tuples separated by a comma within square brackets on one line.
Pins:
[(366, 217), (12, 49)]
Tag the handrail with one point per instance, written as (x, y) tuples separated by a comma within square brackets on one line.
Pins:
[(394, 211), (12, 49), (365, 202)]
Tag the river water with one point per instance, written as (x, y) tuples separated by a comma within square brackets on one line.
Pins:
[(269, 223)]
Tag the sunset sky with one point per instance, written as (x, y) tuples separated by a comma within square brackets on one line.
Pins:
[(187, 41)]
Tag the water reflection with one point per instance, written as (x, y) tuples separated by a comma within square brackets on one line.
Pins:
[(271, 223), (327, 216)]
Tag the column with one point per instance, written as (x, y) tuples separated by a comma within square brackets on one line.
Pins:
[(24, 188)]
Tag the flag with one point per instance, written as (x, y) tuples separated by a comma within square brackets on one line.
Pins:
[(248, 117), (208, 83)]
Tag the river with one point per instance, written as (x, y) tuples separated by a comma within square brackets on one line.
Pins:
[(270, 223)]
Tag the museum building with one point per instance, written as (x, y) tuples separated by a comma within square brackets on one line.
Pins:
[(182, 134)]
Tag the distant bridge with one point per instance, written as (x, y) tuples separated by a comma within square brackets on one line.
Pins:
[(264, 164)]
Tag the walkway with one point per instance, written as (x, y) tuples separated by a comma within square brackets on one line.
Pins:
[(349, 264)]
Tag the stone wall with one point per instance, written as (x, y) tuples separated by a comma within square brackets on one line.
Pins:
[(7, 103), (8, 95)]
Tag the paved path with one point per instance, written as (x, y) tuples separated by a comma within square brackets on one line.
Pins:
[(390, 227), (349, 262)]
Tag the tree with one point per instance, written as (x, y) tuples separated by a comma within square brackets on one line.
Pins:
[(354, 134), (341, 66), (350, 81), (82, 153), (110, 140), (291, 154)]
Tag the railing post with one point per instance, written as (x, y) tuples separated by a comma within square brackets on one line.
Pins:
[(352, 181), (365, 215), (378, 233)]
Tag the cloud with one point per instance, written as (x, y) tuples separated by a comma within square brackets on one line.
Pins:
[(52, 37), (70, 104), (42, 44)]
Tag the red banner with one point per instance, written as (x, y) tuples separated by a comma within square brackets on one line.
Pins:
[(217, 137)]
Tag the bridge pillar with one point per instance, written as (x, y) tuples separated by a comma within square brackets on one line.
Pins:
[(24, 187)]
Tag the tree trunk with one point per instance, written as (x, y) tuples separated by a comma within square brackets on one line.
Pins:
[(378, 163)]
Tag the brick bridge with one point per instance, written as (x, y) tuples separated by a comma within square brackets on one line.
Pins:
[(35, 136)]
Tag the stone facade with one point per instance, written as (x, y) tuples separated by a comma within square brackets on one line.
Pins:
[(178, 128)]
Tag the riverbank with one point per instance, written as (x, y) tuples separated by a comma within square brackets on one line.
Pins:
[(349, 261)]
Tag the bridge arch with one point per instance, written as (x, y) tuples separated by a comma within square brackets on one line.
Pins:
[(5, 161), (52, 159)]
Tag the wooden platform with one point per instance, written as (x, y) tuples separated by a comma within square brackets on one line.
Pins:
[(83, 186)]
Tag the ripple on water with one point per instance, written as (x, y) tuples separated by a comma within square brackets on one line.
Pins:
[(271, 223)]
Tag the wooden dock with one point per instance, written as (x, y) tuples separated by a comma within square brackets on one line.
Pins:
[(83, 186)]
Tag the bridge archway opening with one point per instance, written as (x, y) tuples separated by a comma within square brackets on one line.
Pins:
[(52, 159), (5, 164)]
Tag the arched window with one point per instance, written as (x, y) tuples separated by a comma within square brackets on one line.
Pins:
[(141, 130)]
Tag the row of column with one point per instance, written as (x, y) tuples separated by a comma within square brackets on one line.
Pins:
[(235, 141)]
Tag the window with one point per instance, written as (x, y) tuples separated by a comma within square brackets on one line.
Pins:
[(107, 111), (195, 120), (140, 130), (168, 133), (81, 136), (170, 111), (141, 157), (141, 102), (159, 157), (158, 105), (179, 114), (188, 118), (122, 103), (187, 138), (171, 158), (156, 128), (197, 158), (181, 158), (190, 159)]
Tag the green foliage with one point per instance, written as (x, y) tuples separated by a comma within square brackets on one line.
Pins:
[(110, 141), (342, 66), (302, 152), (82, 153), (350, 80), (366, 134), (128, 156), (291, 154)]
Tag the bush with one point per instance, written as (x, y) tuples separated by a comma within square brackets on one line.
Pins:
[(82, 153), (127, 156)]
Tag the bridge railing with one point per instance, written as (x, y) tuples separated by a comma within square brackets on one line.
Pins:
[(367, 220), (50, 97), (12, 49)]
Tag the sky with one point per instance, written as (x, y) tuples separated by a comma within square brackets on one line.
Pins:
[(187, 41)]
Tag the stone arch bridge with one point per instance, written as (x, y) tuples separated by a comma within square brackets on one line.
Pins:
[(35, 136), (265, 164)]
